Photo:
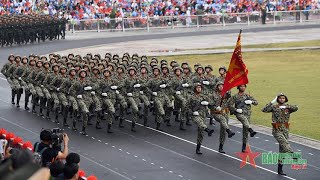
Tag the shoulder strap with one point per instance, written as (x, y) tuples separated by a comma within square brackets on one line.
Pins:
[(43, 150), (37, 146)]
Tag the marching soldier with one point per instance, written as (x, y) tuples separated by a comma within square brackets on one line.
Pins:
[(145, 93), (5, 72), (240, 106), (219, 111), (199, 106), (280, 124)]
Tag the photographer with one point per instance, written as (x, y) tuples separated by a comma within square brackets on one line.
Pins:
[(50, 147)]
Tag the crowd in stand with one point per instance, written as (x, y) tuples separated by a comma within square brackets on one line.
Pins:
[(20, 160), (94, 9)]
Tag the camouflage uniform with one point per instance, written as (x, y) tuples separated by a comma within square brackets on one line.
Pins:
[(145, 95), (280, 122), (238, 101), (108, 98), (219, 111), (120, 98)]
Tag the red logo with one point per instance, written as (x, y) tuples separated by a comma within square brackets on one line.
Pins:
[(248, 154)]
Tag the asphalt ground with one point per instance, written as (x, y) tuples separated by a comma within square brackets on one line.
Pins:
[(148, 153)]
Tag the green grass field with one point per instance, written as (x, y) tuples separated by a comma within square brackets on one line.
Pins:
[(273, 45), (295, 73)]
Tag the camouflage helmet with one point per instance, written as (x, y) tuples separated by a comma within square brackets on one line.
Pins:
[(223, 67), (47, 62), (24, 57), (198, 67), (156, 67), (219, 83), (71, 69), (82, 70), (62, 67), (177, 68), (17, 58), (208, 67), (282, 94), (11, 55), (95, 68), (132, 68), (196, 85), (106, 69), (54, 65)]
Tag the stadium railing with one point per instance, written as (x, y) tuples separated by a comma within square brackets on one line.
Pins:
[(210, 20)]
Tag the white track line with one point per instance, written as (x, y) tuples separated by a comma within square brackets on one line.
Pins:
[(181, 139)]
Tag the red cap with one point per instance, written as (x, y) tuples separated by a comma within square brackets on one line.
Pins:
[(92, 177)]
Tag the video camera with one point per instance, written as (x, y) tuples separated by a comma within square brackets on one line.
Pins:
[(56, 137)]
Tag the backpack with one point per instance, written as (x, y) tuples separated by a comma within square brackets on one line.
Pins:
[(38, 155)]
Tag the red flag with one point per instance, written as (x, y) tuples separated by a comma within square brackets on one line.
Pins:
[(237, 73)]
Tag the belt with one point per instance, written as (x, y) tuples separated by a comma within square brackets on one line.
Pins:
[(223, 111), (276, 125)]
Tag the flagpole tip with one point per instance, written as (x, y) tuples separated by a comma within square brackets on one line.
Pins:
[(241, 30)]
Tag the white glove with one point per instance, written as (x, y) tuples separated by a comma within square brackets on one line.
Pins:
[(248, 101), (163, 85), (88, 88), (129, 94), (93, 93), (19, 78), (282, 107), (117, 92), (136, 85), (155, 93), (58, 89), (206, 82), (196, 113), (114, 87), (274, 100), (104, 94), (239, 111), (79, 96), (178, 92), (141, 92), (204, 103), (41, 85), (185, 85), (218, 108)]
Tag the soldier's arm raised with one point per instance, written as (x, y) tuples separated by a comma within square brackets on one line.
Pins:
[(268, 108)]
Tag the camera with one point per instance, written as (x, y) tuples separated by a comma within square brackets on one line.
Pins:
[(56, 137)]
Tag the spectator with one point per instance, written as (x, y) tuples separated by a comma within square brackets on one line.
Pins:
[(73, 158), (56, 170), (71, 172), (48, 152)]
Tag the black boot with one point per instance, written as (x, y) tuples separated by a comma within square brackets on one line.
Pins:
[(211, 121), (145, 121), (74, 125), (244, 145), (26, 106), (198, 149), (230, 133), (20, 91), (56, 119), (182, 126), (177, 118), (109, 129), (34, 109), (13, 94), (221, 149), (89, 120), (252, 132), (121, 123), (158, 127), (168, 122), (48, 114), (98, 126), (83, 131), (280, 171), (133, 124), (65, 124), (188, 120), (209, 131), (41, 114)]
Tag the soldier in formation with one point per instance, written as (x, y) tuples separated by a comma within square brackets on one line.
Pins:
[(90, 89), (24, 29)]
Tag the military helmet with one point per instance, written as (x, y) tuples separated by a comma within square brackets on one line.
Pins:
[(11, 55), (219, 83), (282, 94), (71, 69), (62, 67), (96, 68), (209, 67), (53, 65), (82, 70), (224, 68), (177, 68)]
